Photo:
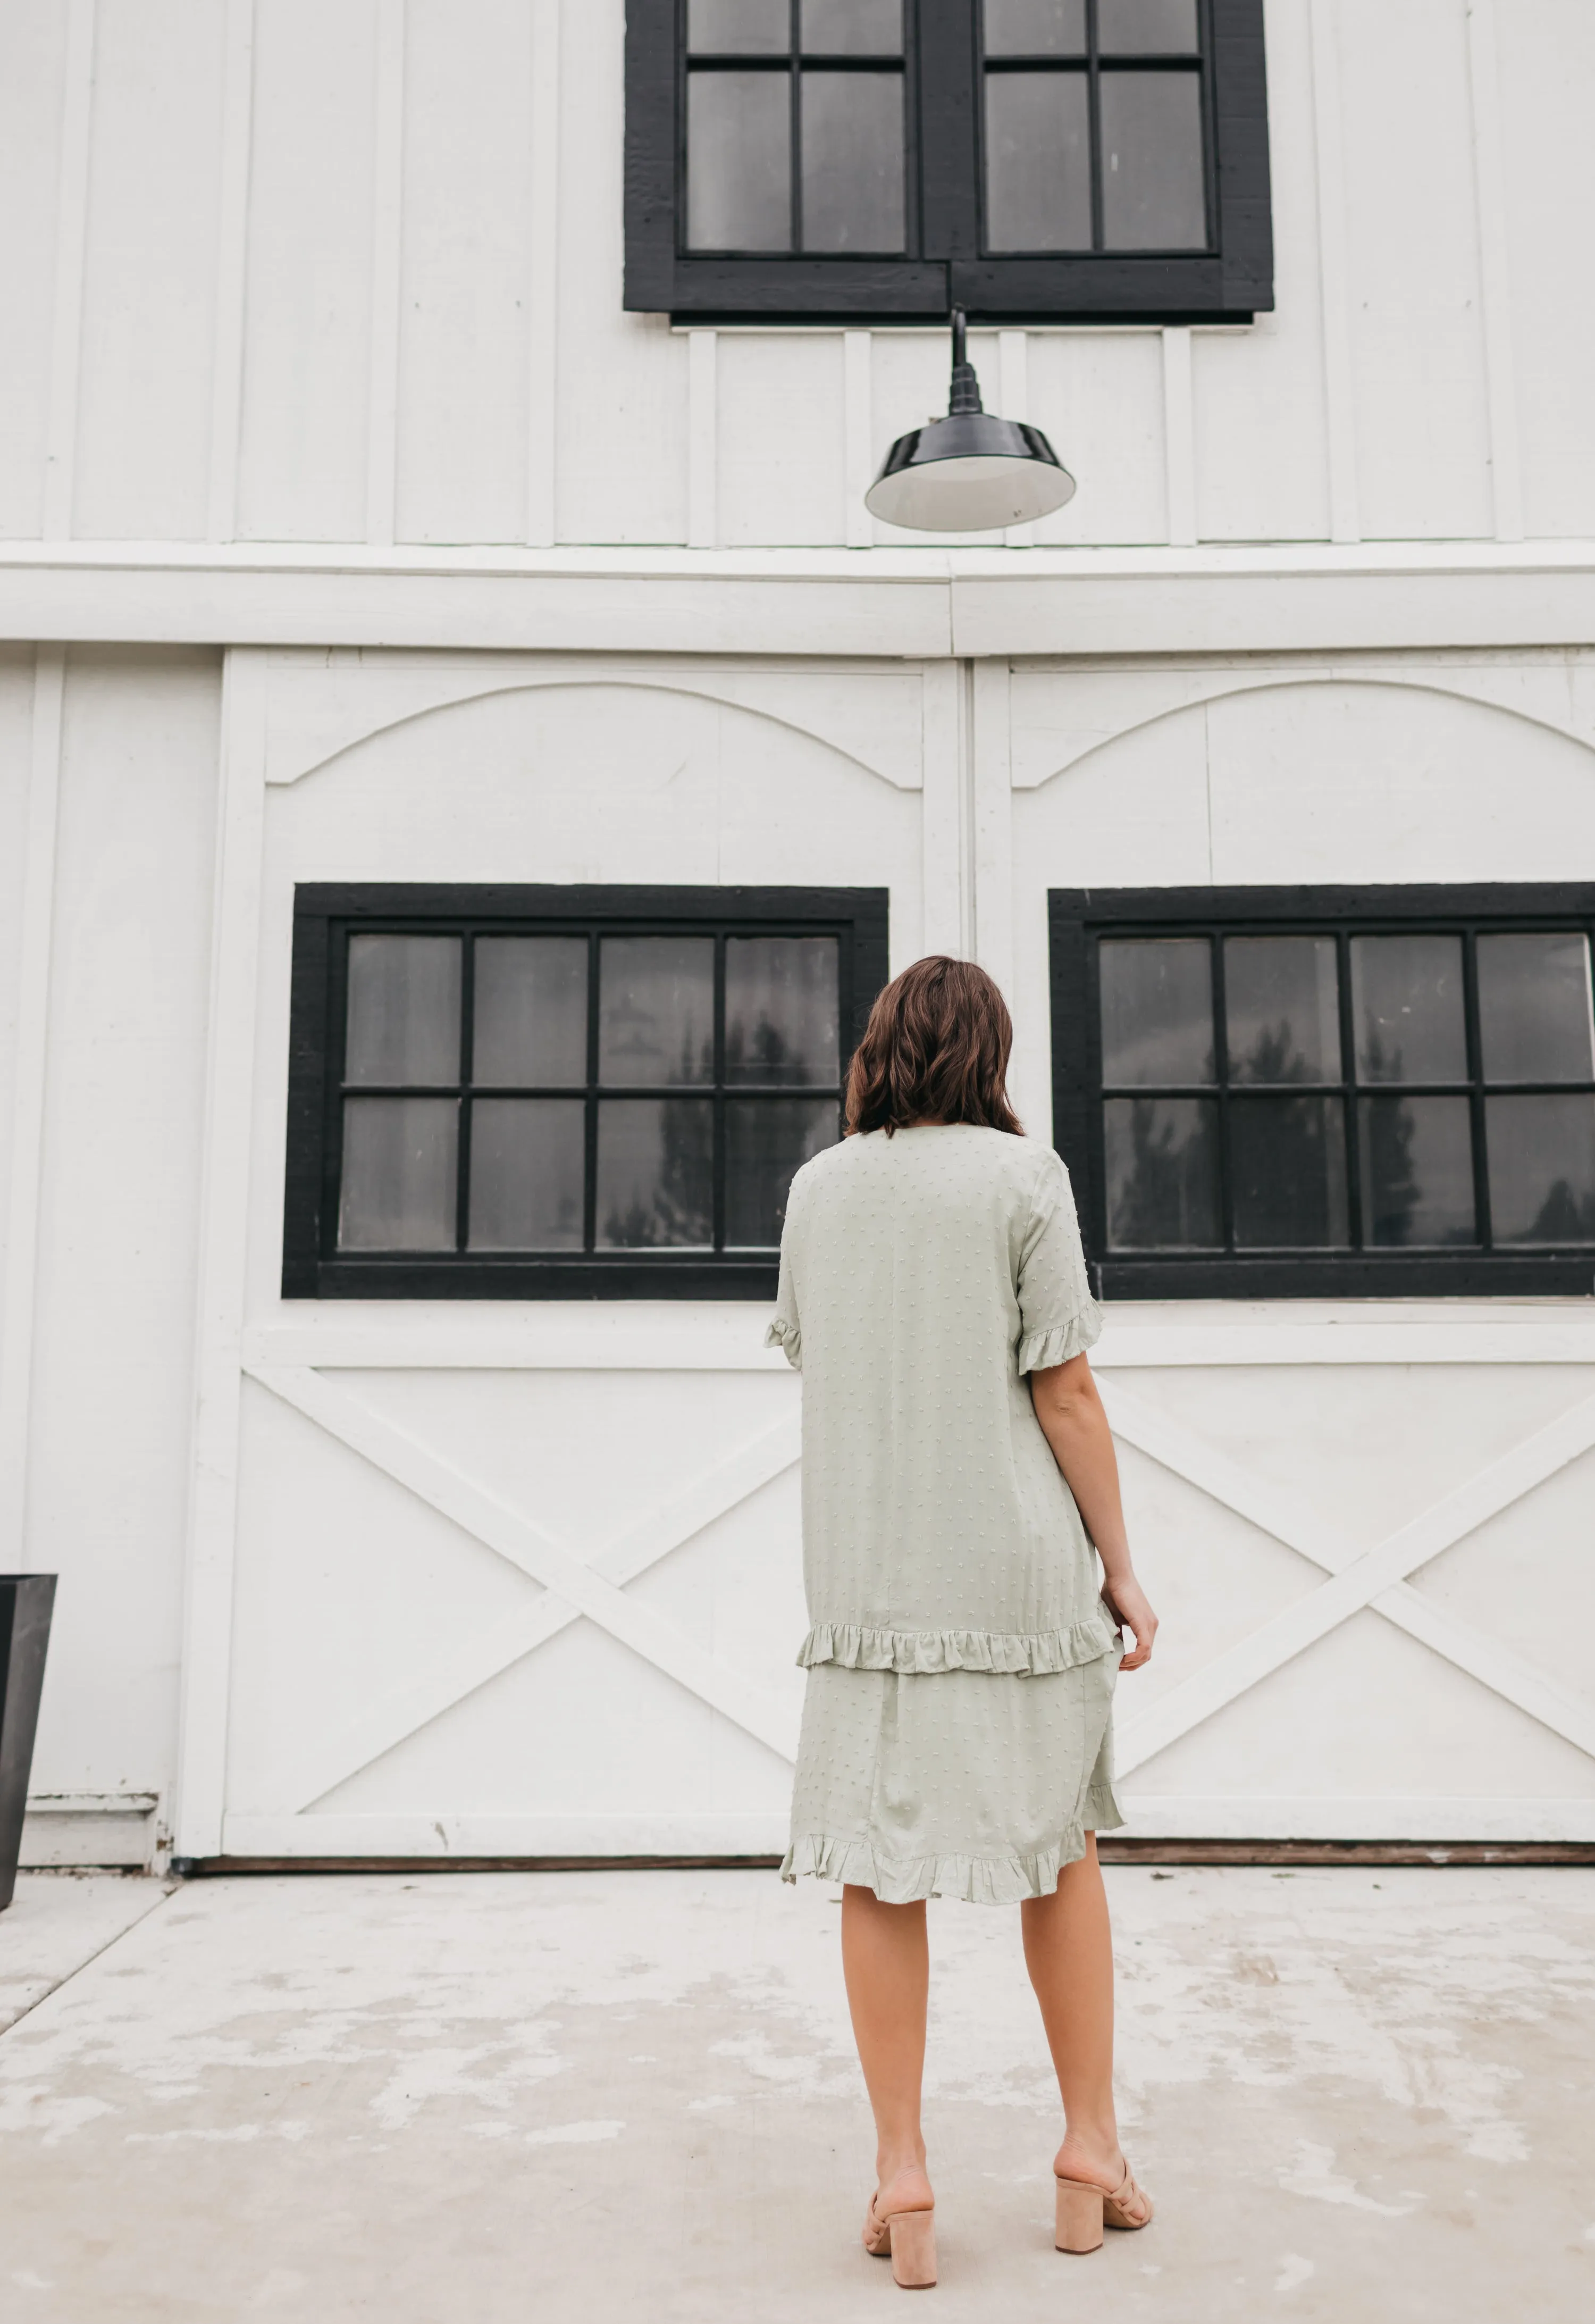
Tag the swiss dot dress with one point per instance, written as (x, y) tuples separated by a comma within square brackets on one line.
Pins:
[(956, 1733)]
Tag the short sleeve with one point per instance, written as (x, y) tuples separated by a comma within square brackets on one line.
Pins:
[(785, 1331), (1059, 1317)]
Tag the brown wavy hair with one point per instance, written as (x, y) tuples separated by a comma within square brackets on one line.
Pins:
[(936, 1049)]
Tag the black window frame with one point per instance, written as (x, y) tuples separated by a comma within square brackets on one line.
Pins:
[(1079, 918), (945, 265), (326, 914)]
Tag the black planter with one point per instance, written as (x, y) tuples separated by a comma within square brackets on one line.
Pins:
[(26, 1601)]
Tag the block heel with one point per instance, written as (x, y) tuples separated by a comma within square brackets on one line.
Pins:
[(909, 2239), (1079, 2217), (913, 2250), (1083, 2210)]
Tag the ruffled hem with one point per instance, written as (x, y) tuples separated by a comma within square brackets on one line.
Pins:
[(972, 1879), (789, 1339), (1019, 1654), (1038, 1350)]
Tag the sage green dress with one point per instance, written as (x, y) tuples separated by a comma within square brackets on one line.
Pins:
[(957, 1735)]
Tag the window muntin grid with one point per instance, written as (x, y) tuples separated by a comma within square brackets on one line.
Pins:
[(1345, 1119), (658, 1101), (1095, 130), (796, 134)]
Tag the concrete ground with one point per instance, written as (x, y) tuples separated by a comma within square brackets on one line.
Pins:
[(464, 2100)]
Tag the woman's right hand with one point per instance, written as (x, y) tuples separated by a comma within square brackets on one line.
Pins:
[(1127, 1601)]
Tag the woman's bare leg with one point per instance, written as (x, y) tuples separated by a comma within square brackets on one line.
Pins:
[(886, 1961), (1069, 1953)]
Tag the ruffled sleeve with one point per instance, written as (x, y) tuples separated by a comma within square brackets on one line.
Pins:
[(1059, 1317), (785, 1331)]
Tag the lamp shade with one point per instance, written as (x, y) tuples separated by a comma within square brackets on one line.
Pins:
[(970, 472)]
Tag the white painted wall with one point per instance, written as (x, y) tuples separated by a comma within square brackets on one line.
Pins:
[(315, 365), (378, 1500), (121, 971), (286, 272)]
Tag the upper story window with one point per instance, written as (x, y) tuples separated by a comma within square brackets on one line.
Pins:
[(1286, 1092), (796, 126), (879, 159), (563, 1092)]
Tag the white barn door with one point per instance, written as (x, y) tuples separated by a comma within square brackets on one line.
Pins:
[(511, 1579), (1366, 1523)]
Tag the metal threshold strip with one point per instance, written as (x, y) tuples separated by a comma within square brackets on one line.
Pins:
[(1366, 1854)]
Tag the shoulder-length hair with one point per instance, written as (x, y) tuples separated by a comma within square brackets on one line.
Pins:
[(936, 1049)]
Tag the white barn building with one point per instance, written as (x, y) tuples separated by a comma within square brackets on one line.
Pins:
[(467, 756)]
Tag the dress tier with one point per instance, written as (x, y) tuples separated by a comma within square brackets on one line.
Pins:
[(957, 1735)]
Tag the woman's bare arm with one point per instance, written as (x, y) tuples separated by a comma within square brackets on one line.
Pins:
[(1075, 1425)]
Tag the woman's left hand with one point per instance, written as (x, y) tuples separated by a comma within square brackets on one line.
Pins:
[(1127, 1601)]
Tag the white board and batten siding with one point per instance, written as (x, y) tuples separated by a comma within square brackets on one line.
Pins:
[(349, 528)]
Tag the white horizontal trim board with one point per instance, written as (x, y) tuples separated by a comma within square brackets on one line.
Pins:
[(922, 603), (1260, 1816), (730, 1338), (83, 1829), (1371, 1815), (505, 1835), (112, 1804)]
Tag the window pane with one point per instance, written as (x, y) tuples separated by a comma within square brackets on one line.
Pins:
[(766, 1139), (1152, 195), (781, 1009), (1288, 1165), (1281, 1008), (1156, 997), (1142, 28), (739, 27), (404, 1010), (656, 1174), (531, 1013), (1418, 1170), (1163, 1173), (738, 189), (853, 28), (1407, 1008), (1034, 28), (400, 1159), (656, 1010), (1542, 1168), (527, 1161), (1038, 161), (853, 160), (1534, 1008)]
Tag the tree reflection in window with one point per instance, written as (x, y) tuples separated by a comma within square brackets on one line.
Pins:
[(1351, 1101)]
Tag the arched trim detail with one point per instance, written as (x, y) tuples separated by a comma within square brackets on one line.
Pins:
[(563, 681), (1286, 680)]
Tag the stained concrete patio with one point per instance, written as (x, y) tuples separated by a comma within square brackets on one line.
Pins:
[(564, 2096)]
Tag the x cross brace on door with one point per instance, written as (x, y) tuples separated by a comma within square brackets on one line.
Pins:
[(571, 1586), (1376, 1577)]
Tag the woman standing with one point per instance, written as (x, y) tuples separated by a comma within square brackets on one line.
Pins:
[(957, 1471)]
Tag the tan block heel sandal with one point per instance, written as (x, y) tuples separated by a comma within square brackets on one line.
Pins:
[(908, 2239), (1083, 2210)]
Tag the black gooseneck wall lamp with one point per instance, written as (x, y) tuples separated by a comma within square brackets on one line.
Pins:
[(970, 472)]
